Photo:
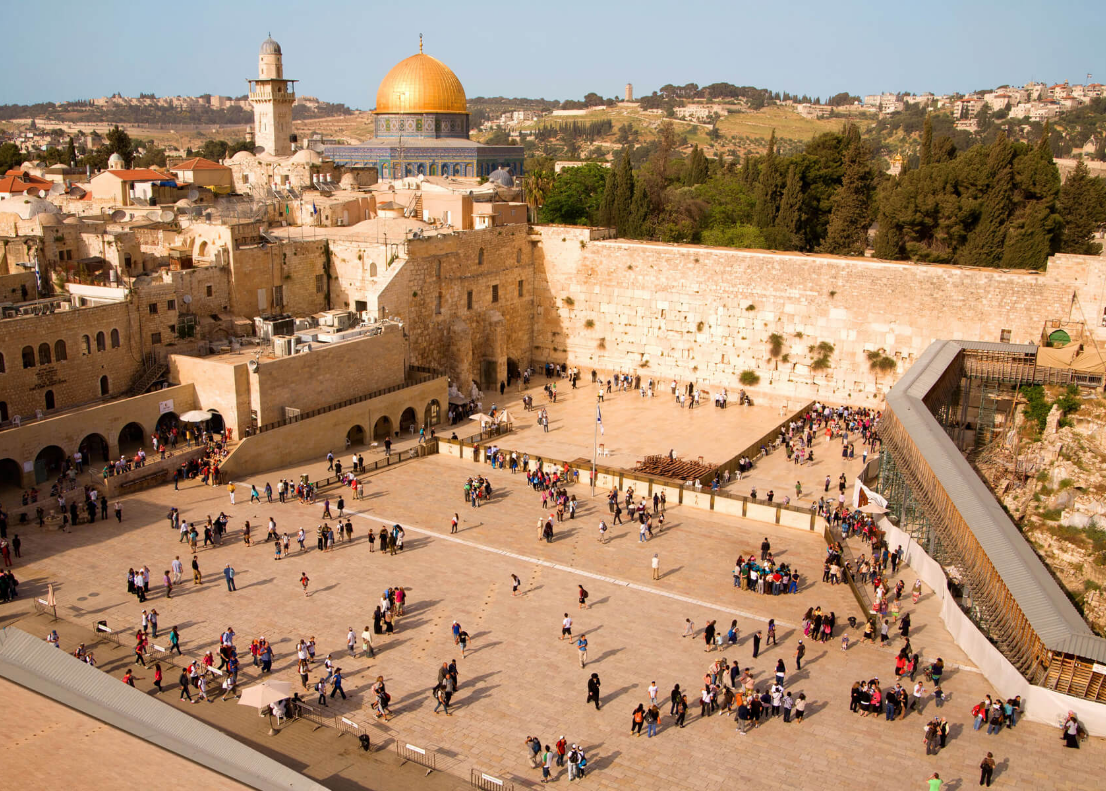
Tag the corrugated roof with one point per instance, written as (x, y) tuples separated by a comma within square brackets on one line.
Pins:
[(37, 665), (1045, 605)]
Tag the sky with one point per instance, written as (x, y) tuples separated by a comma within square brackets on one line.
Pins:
[(339, 50)]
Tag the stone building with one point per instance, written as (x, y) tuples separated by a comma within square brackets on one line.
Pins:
[(272, 97)]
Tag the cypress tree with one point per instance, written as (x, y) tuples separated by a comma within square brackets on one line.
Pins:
[(696, 172), (624, 193), (768, 187), (638, 225), (787, 221), (749, 172), (852, 205), (71, 153), (927, 141), (984, 246), (606, 206), (1031, 243), (1082, 209)]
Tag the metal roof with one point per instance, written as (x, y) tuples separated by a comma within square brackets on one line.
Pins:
[(992, 346), (35, 664), (1048, 609)]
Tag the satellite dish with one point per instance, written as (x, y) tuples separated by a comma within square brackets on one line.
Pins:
[(57, 189), (187, 299), (167, 216), (253, 366), (118, 215), (153, 215), (193, 194), (76, 192), (42, 193)]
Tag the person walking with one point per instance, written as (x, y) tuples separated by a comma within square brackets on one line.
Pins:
[(231, 490), (367, 642), (987, 770), (304, 581), (515, 582), (593, 690), (453, 523), (197, 578), (582, 644), (637, 720), (652, 719), (756, 644), (184, 693), (228, 574), (800, 651), (656, 566), (336, 682)]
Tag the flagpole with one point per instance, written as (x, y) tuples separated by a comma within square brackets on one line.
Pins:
[(594, 447)]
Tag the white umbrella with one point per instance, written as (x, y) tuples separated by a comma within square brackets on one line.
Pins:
[(484, 419), (505, 417), (872, 508), (196, 416), (265, 694)]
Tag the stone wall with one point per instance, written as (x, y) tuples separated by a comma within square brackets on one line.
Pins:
[(293, 267), (76, 379), (706, 314)]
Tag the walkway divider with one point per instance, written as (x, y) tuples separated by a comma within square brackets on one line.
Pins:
[(486, 782), (424, 756)]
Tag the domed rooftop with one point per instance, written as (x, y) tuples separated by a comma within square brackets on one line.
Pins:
[(270, 47), (421, 84), (115, 162), (502, 177), (243, 156), (27, 208), (307, 155)]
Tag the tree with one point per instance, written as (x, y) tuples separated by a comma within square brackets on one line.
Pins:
[(637, 227), (537, 184), (697, 171), (1082, 209), (927, 141), (10, 157), (119, 142), (852, 205), (498, 137), (606, 207), (624, 192), (768, 186), (71, 153), (790, 214), (984, 246), (575, 196)]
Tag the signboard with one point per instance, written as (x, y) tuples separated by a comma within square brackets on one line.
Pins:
[(165, 406)]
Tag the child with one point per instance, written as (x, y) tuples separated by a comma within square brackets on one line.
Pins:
[(303, 579), (844, 642)]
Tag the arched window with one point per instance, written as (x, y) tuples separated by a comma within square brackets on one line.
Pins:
[(480, 257), (101, 341), (86, 345), (372, 269), (44, 354), (518, 256), (103, 385), (49, 399), (115, 339), (59, 352), (28, 357), (2, 369)]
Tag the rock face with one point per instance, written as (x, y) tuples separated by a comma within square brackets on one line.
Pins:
[(1055, 489)]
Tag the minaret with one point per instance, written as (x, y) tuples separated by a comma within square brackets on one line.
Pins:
[(272, 98)]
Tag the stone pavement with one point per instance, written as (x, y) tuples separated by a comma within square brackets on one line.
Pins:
[(518, 678)]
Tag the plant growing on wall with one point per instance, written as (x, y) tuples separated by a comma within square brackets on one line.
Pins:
[(749, 378), (880, 363), (602, 344), (750, 307), (590, 324), (775, 345), (699, 327), (569, 301)]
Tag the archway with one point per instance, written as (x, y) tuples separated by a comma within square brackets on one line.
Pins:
[(166, 423), (48, 463), (356, 436), (215, 425), (11, 479), (382, 429), (409, 420), (433, 414), (512, 370), (49, 399), (105, 388), (94, 449), (131, 438)]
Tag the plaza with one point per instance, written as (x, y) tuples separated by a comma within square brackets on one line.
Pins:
[(517, 678)]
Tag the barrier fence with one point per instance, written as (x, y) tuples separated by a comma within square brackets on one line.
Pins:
[(423, 756), (486, 782)]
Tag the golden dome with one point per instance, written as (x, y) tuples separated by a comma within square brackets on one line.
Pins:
[(421, 84)]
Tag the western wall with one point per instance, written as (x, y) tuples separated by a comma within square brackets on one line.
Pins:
[(706, 314)]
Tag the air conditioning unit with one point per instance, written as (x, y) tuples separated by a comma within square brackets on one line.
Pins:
[(341, 222), (284, 345), (368, 317)]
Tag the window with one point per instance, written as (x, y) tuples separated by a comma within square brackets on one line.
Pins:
[(59, 352), (520, 288), (101, 341), (29, 354), (468, 300), (171, 305), (278, 296), (44, 354), (518, 256), (186, 326), (103, 385), (495, 293), (50, 399), (115, 339), (438, 305), (210, 291), (480, 257), (4, 411), (155, 338), (86, 345), (153, 308), (438, 269), (1, 363), (1004, 336), (320, 283)]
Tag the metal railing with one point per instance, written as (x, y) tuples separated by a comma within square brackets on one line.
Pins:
[(423, 756), (486, 782)]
